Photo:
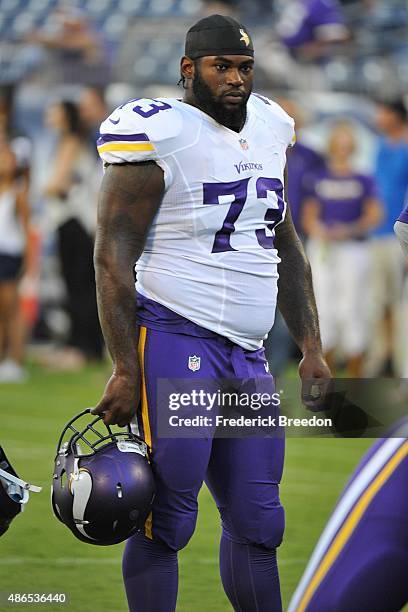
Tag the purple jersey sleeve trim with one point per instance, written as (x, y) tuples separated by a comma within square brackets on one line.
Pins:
[(404, 215), (122, 138)]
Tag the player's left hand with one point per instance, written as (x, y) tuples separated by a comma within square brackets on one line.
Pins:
[(316, 380)]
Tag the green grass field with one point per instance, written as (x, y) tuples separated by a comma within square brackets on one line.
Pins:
[(38, 554)]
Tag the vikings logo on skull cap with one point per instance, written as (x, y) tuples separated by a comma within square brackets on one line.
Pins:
[(218, 35)]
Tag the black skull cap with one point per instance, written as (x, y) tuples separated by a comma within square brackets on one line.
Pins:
[(218, 35)]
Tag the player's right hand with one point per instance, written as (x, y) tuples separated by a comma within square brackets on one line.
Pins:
[(120, 400)]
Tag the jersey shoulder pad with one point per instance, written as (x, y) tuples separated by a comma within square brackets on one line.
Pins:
[(140, 130), (279, 120)]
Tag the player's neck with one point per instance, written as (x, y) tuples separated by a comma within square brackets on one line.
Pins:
[(230, 120)]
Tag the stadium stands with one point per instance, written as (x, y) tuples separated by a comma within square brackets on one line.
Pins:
[(143, 40)]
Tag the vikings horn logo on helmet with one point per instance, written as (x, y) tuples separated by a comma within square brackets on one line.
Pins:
[(103, 485)]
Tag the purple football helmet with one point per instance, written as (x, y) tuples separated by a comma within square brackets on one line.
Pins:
[(14, 493), (103, 485)]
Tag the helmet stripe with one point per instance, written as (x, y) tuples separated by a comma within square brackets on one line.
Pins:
[(81, 487)]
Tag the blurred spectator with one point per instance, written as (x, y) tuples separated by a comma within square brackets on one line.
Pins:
[(338, 217), (14, 258), (76, 51), (71, 200), (302, 164), (19, 142), (392, 161), (307, 27), (391, 173), (93, 111), (221, 7)]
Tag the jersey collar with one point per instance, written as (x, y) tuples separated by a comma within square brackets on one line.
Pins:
[(211, 120)]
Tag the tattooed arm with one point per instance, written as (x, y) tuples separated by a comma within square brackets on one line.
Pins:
[(129, 199), (296, 300)]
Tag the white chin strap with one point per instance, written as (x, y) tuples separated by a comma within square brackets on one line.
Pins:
[(134, 426), (17, 489)]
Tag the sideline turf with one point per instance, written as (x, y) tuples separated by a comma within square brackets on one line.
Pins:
[(39, 555)]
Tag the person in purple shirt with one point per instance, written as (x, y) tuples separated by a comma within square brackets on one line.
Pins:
[(337, 217), (303, 163), (306, 26)]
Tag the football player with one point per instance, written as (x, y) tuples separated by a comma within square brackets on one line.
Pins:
[(193, 193), (14, 493), (361, 559)]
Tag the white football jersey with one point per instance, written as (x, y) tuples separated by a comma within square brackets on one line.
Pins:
[(209, 254)]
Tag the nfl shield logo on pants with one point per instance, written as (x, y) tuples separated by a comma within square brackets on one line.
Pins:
[(194, 363)]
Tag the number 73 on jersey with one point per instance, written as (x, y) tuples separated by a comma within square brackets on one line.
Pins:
[(214, 193)]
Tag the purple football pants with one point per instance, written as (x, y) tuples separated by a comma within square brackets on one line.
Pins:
[(360, 563), (242, 474)]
